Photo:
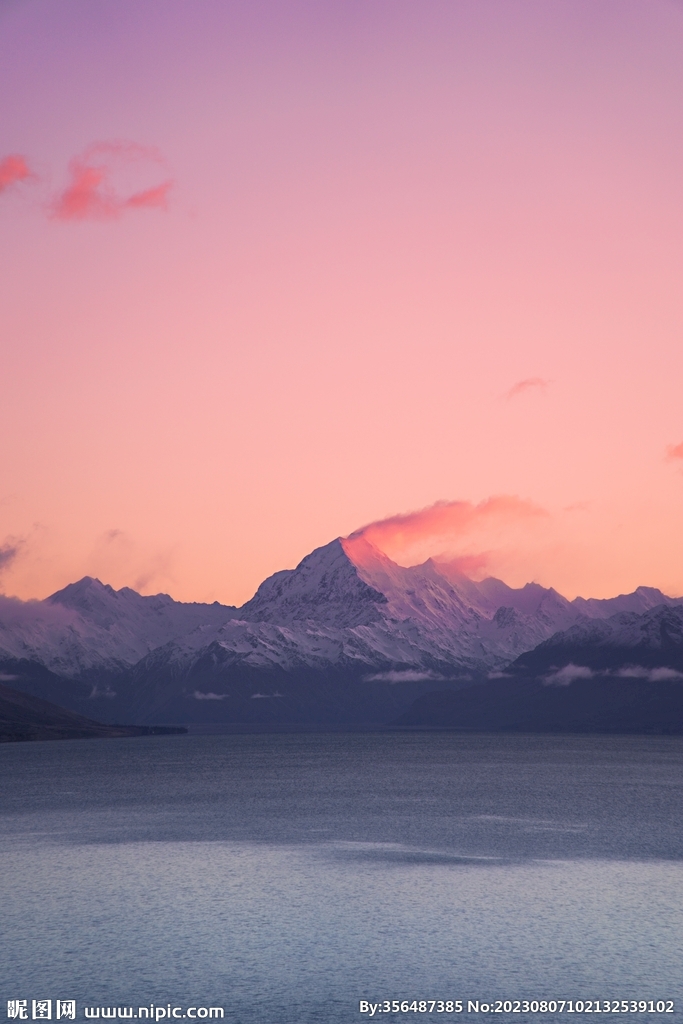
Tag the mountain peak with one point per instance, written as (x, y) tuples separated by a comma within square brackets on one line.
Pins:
[(325, 586), (73, 594)]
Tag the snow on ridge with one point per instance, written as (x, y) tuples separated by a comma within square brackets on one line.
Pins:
[(656, 628), (90, 625), (325, 587), (643, 599), (346, 602)]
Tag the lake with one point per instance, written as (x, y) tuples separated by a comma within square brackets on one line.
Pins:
[(287, 877)]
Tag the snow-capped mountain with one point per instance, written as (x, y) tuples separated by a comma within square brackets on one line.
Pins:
[(346, 628), (89, 625), (649, 645), (402, 614)]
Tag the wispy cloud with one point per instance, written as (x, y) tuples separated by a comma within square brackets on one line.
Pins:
[(8, 552), (17, 613), (653, 675), (657, 675), (441, 527), (150, 197), (404, 676), (122, 560), (105, 182), (522, 387), (568, 674), (468, 565), (13, 168), (675, 451)]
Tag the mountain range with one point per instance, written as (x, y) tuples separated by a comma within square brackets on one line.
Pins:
[(348, 637)]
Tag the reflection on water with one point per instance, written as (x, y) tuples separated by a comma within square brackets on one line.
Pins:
[(395, 853), (287, 877)]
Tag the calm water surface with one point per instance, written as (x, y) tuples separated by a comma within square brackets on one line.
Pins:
[(287, 877)]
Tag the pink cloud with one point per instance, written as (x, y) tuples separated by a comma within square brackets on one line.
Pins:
[(448, 525), (101, 185), (675, 451), (469, 565), (157, 196), (12, 169), (528, 384), (86, 196)]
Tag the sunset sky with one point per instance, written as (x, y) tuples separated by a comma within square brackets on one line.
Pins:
[(274, 271)]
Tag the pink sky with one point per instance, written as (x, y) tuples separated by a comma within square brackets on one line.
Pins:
[(272, 272)]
